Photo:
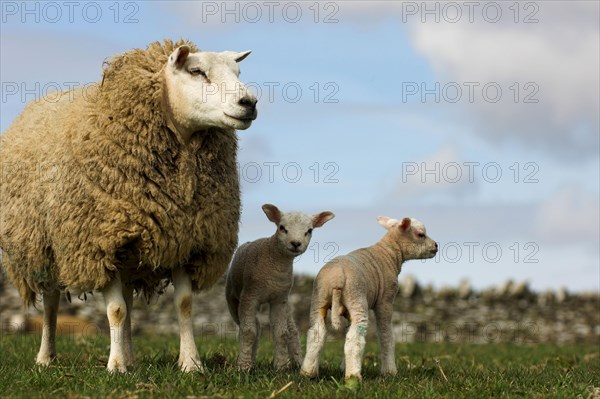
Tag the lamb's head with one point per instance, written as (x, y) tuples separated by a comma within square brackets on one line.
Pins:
[(201, 90), (294, 229), (410, 236)]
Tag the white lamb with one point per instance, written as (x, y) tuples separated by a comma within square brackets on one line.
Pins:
[(262, 272), (364, 279)]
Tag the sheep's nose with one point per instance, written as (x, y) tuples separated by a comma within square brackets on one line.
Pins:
[(296, 244), (436, 245), (248, 102)]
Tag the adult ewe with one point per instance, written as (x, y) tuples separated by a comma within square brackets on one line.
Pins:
[(128, 186), (364, 279)]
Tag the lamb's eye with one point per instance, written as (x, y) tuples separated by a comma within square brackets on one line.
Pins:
[(421, 235), (308, 232), (282, 229), (196, 71)]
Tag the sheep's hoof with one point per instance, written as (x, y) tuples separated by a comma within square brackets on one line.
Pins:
[(44, 359), (389, 372), (116, 367), (307, 374), (352, 382), (191, 366)]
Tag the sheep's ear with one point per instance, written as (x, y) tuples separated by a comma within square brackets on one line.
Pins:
[(272, 212), (405, 224), (237, 57), (179, 56), (386, 222), (322, 218)]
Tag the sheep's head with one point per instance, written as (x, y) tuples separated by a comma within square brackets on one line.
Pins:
[(202, 90), (294, 229), (410, 236)]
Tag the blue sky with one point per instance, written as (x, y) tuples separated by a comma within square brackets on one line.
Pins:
[(483, 125)]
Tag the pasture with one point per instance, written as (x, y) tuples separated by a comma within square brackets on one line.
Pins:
[(431, 370)]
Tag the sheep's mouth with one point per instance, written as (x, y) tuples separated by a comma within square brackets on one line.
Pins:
[(295, 251), (244, 118)]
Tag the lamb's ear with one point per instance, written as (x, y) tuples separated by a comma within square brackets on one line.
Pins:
[(405, 224), (386, 222), (178, 57), (237, 57), (272, 212), (321, 218)]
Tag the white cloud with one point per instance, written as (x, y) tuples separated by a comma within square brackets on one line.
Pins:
[(571, 215), (443, 177), (558, 55)]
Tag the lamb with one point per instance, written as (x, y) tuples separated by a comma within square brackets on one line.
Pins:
[(364, 279), (127, 187), (262, 272)]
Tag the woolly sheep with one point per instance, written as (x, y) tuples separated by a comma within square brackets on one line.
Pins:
[(262, 272), (126, 188), (364, 279)]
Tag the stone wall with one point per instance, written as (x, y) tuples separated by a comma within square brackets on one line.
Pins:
[(508, 313)]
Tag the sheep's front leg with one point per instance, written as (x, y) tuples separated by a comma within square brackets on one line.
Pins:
[(128, 297), (354, 346), (280, 333), (116, 310), (315, 340), (293, 340), (47, 351), (249, 332), (189, 359), (383, 315)]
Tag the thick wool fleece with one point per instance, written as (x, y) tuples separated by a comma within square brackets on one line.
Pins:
[(96, 182)]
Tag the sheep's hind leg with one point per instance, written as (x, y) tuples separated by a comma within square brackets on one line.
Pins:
[(279, 329), (128, 296), (354, 346), (47, 351), (293, 341), (116, 310), (315, 340), (189, 359), (249, 333)]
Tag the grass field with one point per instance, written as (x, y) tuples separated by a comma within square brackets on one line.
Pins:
[(424, 371)]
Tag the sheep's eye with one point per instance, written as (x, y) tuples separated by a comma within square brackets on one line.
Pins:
[(308, 232), (196, 71), (421, 235), (282, 229)]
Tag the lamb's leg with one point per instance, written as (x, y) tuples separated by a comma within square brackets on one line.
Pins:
[(315, 340), (128, 297), (116, 310), (189, 359), (293, 340), (354, 346), (279, 330), (47, 351), (383, 316), (249, 332)]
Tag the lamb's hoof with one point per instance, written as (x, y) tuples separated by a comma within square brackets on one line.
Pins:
[(352, 382), (244, 366), (44, 359), (191, 366), (389, 372), (116, 367), (308, 374)]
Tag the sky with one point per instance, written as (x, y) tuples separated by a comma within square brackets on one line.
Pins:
[(481, 119)]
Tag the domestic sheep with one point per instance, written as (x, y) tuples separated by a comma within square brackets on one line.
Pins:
[(127, 186), (262, 272), (364, 279)]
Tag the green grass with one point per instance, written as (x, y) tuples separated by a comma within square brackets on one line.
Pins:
[(472, 371)]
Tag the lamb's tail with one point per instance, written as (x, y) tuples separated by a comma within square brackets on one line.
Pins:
[(337, 310)]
